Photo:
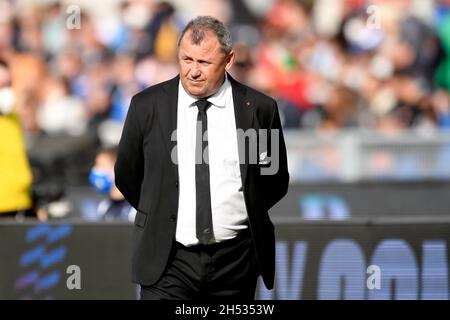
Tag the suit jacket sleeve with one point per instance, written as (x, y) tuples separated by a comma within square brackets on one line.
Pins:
[(129, 166)]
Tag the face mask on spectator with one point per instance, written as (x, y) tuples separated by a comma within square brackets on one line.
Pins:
[(6, 100), (100, 180)]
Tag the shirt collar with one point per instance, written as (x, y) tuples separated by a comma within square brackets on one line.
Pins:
[(218, 99)]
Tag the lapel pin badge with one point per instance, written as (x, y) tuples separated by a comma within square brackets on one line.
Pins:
[(247, 103)]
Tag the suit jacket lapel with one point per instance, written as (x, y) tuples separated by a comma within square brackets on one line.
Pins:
[(244, 115), (168, 118)]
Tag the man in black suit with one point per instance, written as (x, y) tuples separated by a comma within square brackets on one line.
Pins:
[(202, 158)]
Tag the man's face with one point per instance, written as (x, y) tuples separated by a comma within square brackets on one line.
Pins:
[(105, 163), (202, 66)]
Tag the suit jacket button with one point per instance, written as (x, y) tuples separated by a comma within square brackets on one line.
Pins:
[(176, 184), (173, 218)]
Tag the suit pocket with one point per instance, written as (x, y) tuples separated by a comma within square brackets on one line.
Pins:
[(140, 219)]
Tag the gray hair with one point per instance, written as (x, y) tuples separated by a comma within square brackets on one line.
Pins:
[(199, 25)]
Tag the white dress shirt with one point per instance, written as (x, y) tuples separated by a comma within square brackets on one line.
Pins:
[(229, 212)]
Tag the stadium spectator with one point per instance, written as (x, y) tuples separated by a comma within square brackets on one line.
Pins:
[(115, 207), (15, 173)]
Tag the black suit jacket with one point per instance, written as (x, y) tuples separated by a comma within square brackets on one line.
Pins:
[(148, 178)]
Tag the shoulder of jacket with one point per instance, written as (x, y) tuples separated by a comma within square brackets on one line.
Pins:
[(153, 91), (261, 98)]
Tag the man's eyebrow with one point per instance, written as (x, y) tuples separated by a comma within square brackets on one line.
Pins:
[(184, 56)]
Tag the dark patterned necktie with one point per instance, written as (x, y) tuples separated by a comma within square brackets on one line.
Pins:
[(204, 226)]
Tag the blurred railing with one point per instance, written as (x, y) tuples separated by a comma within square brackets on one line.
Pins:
[(354, 155)]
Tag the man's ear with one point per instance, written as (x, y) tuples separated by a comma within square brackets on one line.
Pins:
[(230, 60)]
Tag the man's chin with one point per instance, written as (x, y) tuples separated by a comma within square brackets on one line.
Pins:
[(196, 92)]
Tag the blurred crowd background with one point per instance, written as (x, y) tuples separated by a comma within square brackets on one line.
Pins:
[(70, 69)]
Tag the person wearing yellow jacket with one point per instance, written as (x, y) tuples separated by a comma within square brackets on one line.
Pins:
[(15, 173)]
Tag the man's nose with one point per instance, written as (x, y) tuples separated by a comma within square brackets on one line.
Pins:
[(195, 71)]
